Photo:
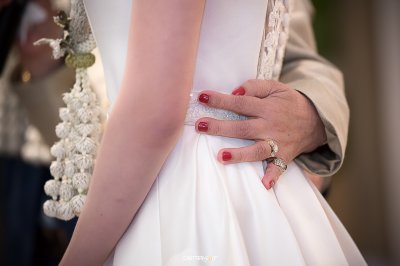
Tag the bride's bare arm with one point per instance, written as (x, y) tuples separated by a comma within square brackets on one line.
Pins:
[(144, 125)]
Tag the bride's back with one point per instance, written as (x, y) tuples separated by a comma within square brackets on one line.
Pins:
[(229, 48)]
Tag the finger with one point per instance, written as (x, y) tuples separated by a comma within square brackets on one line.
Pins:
[(258, 88), (271, 176), (253, 153), (249, 106), (243, 129)]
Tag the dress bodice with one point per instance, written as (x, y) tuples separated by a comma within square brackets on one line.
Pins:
[(229, 49), (197, 208)]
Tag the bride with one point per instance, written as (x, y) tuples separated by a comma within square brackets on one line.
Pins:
[(160, 194)]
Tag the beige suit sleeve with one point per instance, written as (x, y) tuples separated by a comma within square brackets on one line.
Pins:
[(304, 70)]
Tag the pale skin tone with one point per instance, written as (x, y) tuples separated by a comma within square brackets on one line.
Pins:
[(125, 170)]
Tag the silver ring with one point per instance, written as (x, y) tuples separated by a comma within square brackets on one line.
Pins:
[(278, 162), (274, 147)]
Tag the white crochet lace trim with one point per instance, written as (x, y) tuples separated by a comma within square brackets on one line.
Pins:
[(79, 131), (75, 153), (276, 34)]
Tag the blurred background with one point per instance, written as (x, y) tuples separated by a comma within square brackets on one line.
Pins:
[(362, 37)]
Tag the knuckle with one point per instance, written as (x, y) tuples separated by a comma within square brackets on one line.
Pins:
[(259, 86), (268, 87), (254, 86), (261, 151), (273, 83), (214, 127), (249, 83), (240, 155), (263, 126), (215, 100), (243, 130), (284, 157), (223, 101), (238, 103)]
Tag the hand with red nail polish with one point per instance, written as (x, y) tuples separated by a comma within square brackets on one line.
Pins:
[(278, 113), (226, 156), (271, 183), (202, 126), (204, 98), (239, 91)]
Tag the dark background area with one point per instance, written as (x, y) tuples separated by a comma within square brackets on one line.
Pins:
[(362, 38)]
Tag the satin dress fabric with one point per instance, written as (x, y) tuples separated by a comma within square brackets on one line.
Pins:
[(199, 211)]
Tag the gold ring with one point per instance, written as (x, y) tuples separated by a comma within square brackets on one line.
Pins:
[(274, 147), (278, 162)]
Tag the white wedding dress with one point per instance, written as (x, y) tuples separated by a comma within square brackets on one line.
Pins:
[(198, 210)]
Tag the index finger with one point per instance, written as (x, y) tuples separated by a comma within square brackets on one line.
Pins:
[(260, 88), (244, 105)]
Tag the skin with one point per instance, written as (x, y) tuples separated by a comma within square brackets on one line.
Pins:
[(125, 170), (278, 112)]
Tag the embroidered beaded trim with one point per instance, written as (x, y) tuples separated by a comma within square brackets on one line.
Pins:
[(276, 33), (197, 110)]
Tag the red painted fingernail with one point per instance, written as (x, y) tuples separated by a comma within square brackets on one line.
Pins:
[(239, 91), (204, 98), (202, 126), (226, 156), (271, 184)]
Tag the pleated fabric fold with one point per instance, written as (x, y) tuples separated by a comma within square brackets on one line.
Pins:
[(201, 211)]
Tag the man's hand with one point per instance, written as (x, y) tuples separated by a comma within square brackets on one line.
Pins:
[(277, 112)]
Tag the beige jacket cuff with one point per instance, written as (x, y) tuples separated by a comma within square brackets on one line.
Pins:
[(327, 159), (320, 81)]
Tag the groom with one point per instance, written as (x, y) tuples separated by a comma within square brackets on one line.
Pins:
[(310, 91)]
